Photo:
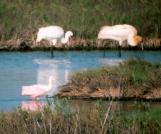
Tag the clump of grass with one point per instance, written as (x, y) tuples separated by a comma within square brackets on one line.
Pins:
[(138, 122), (49, 121), (133, 77), (135, 70)]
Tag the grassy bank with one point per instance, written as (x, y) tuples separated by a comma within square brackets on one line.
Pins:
[(20, 19), (66, 120), (133, 78), (77, 44)]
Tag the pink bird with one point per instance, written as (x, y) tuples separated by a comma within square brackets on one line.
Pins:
[(33, 106), (35, 91)]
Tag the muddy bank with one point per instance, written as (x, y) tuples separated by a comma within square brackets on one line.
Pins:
[(76, 44), (112, 94), (131, 80)]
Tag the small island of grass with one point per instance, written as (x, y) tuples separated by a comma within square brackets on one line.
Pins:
[(132, 79)]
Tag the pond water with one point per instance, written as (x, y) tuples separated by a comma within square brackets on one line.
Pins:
[(18, 69)]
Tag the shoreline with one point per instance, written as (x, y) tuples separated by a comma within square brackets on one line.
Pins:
[(133, 79), (111, 98), (112, 94), (78, 44)]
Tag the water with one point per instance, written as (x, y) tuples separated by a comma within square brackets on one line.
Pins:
[(18, 69)]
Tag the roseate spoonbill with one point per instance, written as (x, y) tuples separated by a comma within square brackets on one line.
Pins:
[(33, 106), (35, 91), (121, 33), (53, 34)]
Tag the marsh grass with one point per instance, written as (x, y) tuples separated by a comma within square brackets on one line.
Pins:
[(133, 77), (84, 18), (20, 20), (77, 122)]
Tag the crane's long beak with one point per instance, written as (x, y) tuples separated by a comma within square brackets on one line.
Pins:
[(142, 47), (142, 44)]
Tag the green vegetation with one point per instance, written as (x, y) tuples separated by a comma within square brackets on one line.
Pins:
[(132, 78), (21, 18), (66, 119)]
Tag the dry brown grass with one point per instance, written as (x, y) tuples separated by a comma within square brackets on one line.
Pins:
[(28, 42)]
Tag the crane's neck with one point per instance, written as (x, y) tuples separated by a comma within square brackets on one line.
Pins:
[(131, 40), (65, 39)]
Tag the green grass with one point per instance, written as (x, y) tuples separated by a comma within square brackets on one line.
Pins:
[(137, 70), (20, 18), (75, 122), (131, 76)]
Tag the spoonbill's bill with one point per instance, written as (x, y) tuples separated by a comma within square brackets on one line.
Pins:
[(35, 91), (121, 33), (53, 34)]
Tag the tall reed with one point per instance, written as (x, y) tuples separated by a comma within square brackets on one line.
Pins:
[(94, 121), (83, 17)]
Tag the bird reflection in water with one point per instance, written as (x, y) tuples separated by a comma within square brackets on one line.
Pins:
[(33, 106)]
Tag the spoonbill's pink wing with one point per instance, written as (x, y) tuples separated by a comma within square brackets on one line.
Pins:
[(34, 90)]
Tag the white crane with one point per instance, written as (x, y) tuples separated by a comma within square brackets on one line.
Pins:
[(53, 34), (121, 33)]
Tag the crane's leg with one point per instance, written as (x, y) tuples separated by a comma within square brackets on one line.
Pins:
[(53, 42), (51, 50), (104, 49), (119, 49), (119, 53)]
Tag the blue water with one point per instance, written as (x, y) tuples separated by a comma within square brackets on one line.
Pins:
[(18, 69)]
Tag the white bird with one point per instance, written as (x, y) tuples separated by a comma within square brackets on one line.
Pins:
[(35, 91), (53, 34), (121, 33)]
